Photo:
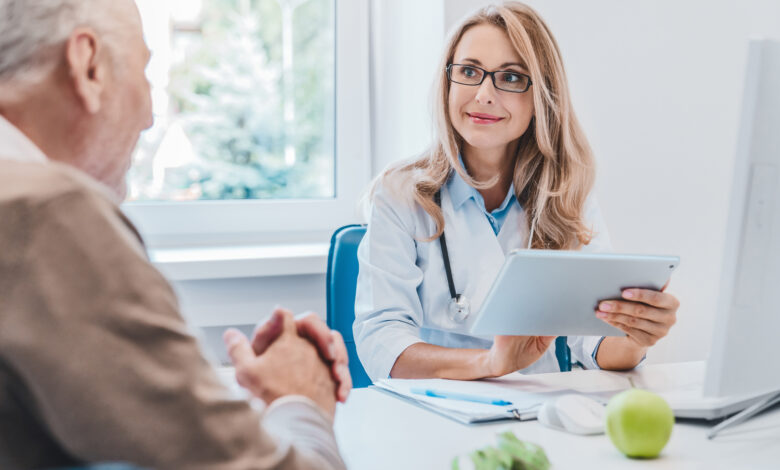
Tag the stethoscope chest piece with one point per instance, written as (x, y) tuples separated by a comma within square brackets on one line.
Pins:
[(458, 308)]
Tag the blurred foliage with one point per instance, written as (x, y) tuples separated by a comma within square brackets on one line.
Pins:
[(510, 454), (226, 94)]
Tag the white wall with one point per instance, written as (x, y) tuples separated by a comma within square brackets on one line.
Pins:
[(407, 36), (658, 88), (248, 300)]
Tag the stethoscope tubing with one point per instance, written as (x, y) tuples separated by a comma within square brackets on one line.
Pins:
[(445, 254)]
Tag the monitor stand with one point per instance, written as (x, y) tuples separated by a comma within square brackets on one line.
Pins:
[(747, 413)]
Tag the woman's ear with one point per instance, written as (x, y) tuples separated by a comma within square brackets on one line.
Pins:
[(87, 67)]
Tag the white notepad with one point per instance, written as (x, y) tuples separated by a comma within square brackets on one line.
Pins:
[(526, 393), (524, 406)]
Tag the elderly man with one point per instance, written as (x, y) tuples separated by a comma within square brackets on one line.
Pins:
[(95, 360)]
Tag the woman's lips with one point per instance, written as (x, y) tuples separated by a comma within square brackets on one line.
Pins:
[(482, 118)]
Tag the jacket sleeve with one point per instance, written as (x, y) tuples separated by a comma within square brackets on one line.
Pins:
[(114, 374), (388, 312)]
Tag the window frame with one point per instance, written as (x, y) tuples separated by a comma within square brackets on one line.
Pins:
[(171, 223)]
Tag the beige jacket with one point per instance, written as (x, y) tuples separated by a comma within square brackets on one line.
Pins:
[(96, 363)]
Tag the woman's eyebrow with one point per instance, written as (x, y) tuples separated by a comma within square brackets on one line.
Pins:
[(505, 64)]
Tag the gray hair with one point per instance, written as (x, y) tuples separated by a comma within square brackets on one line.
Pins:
[(32, 33)]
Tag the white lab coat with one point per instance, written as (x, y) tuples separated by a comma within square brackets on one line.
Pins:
[(402, 293)]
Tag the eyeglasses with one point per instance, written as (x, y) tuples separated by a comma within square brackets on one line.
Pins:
[(472, 75)]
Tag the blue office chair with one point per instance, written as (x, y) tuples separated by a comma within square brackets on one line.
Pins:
[(563, 354), (341, 281)]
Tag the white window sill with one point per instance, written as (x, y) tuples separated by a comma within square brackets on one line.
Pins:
[(185, 264)]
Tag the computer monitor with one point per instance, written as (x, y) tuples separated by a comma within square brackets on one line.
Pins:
[(745, 359)]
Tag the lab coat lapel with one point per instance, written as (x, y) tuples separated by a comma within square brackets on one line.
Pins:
[(513, 235), (514, 232)]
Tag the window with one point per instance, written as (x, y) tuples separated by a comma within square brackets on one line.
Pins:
[(253, 133)]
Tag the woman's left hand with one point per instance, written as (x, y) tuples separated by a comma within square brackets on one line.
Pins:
[(645, 315)]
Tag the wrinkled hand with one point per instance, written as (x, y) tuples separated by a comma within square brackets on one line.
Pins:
[(290, 365), (645, 315), (512, 353), (328, 342)]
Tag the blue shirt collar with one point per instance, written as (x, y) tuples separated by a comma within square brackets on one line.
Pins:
[(460, 192)]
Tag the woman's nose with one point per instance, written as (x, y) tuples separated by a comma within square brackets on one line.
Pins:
[(486, 93)]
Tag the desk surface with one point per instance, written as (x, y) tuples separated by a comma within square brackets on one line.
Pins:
[(378, 431)]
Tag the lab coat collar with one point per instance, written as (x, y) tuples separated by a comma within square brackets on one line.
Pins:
[(14, 145), (460, 191)]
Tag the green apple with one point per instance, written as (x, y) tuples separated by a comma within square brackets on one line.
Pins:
[(639, 423)]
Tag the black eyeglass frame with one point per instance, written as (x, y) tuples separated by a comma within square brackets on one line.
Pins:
[(485, 73)]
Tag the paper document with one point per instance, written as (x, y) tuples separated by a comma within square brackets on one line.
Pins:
[(526, 393), (523, 406)]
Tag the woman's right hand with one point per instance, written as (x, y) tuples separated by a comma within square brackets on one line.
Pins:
[(512, 353)]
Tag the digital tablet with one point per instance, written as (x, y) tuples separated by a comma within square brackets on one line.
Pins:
[(548, 292)]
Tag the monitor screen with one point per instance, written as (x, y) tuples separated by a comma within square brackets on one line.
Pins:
[(744, 359)]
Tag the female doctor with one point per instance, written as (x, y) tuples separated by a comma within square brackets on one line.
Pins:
[(510, 168)]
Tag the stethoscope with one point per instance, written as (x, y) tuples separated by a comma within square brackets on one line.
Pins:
[(459, 307)]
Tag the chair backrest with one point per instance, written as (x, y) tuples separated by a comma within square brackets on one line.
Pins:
[(341, 281), (563, 354)]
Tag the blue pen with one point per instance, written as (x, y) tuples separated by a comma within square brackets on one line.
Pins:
[(459, 396)]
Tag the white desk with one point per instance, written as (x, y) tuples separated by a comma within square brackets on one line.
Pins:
[(378, 431)]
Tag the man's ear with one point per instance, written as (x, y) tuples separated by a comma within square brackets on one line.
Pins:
[(87, 67)]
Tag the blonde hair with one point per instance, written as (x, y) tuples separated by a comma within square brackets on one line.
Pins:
[(554, 168)]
